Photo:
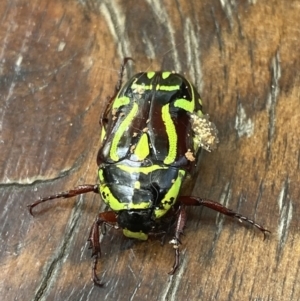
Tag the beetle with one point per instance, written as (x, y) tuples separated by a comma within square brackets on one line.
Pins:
[(152, 133)]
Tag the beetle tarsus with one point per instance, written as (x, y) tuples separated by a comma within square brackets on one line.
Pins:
[(121, 74), (242, 218), (94, 244), (195, 201), (180, 223), (176, 263), (104, 218), (81, 189), (95, 278), (104, 117)]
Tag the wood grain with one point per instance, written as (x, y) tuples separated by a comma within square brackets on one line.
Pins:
[(59, 61)]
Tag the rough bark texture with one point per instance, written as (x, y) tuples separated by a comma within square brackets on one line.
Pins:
[(59, 61)]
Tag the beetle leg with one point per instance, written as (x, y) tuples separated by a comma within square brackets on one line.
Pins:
[(104, 116), (121, 73), (180, 223), (194, 201), (104, 218), (66, 194)]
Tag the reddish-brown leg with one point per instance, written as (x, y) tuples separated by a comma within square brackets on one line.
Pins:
[(66, 194), (104, 218), (180, 223), (194, 201), (118, 86), (104, 117)]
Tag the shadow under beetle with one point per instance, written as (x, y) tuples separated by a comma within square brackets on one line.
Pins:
[(153, 130)]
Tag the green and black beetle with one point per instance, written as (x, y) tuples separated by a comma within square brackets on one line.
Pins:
[(152, 132)]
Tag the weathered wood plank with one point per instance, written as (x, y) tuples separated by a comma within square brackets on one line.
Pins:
[(59, 62)]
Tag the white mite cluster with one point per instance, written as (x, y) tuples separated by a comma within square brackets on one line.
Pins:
[(206, 133)]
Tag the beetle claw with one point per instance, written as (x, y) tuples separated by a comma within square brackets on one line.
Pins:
[(95, 277), (97, 281), (266, 233), (30, 209)]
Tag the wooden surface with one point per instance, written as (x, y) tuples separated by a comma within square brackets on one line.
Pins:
[(59, 61)]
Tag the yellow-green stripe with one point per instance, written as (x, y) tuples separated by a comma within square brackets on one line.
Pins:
[(172, 135), (122, 128)]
